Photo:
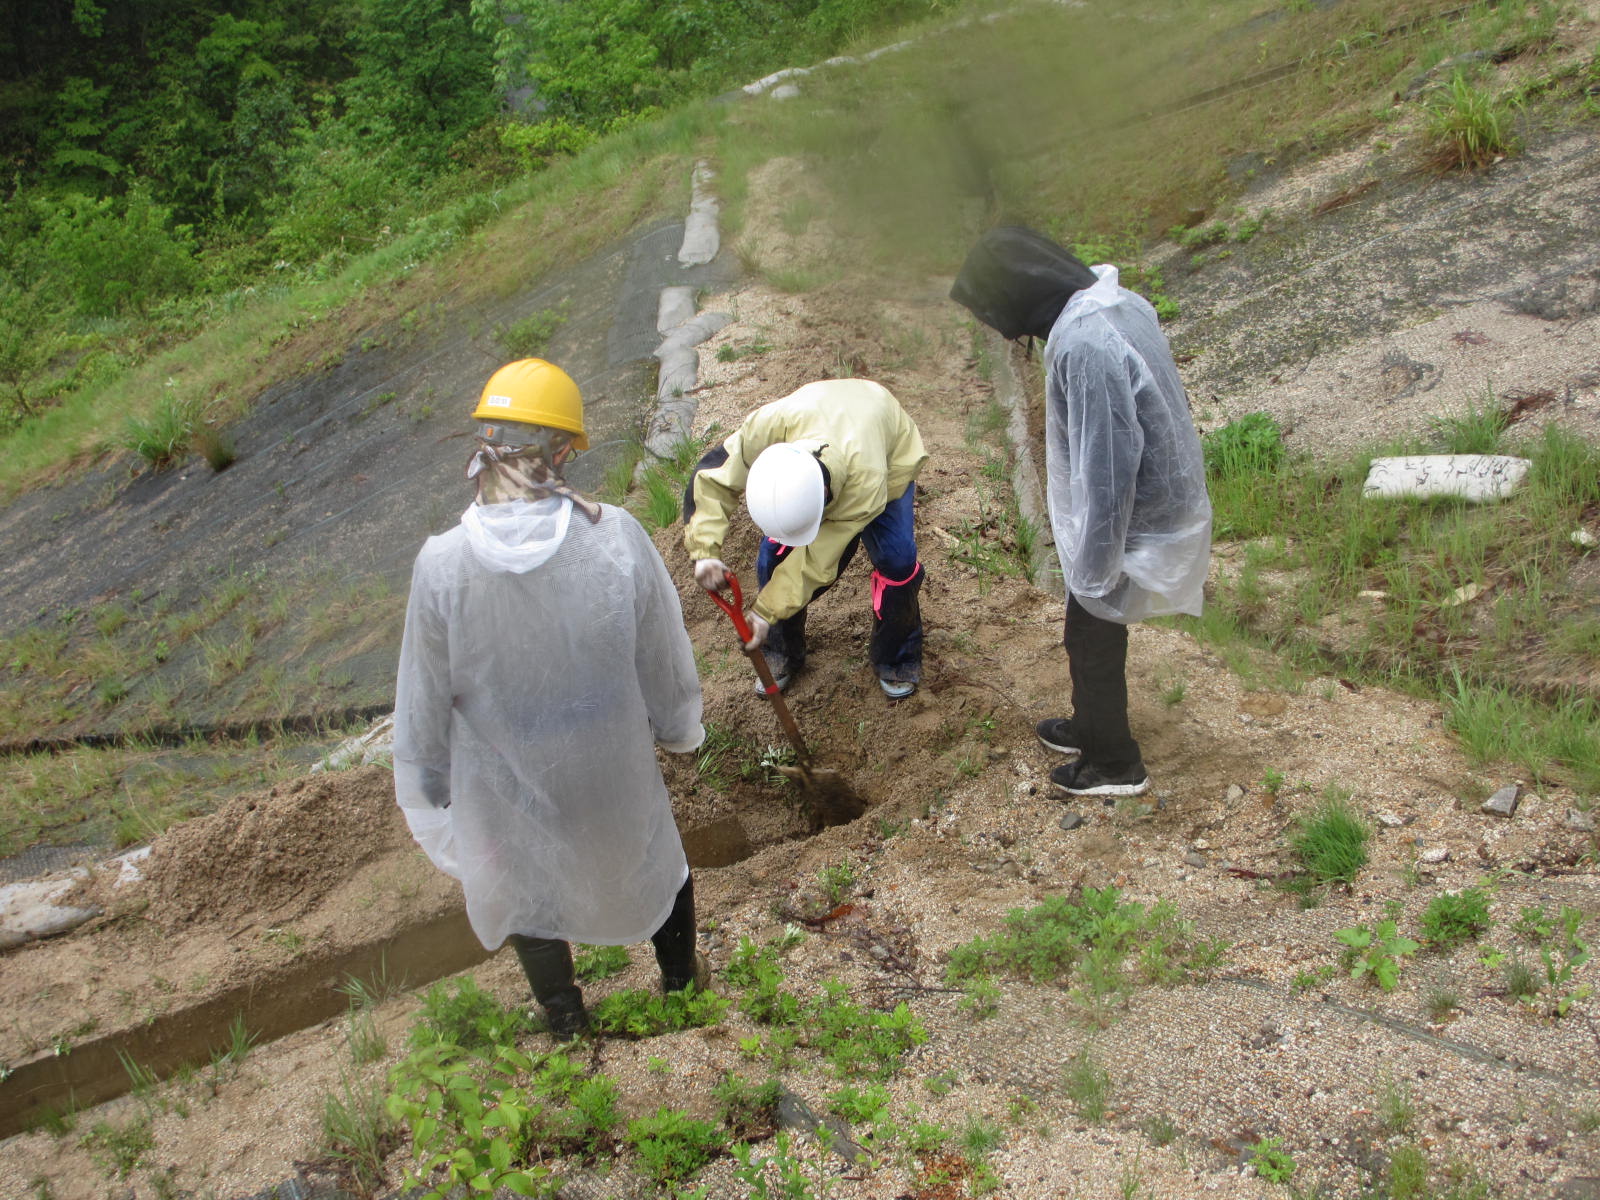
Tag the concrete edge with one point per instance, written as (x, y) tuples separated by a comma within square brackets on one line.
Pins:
[(1027, 479)]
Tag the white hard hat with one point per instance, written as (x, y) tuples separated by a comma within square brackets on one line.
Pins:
[(785, 494)]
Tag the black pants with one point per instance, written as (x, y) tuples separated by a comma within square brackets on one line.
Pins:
[(1097, 657), (547, 962)]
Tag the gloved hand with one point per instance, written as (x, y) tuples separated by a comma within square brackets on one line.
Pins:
[(711, 574), (758, 630)]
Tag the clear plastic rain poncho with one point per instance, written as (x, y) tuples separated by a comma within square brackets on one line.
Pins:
[(1127, 479), (543, 656)]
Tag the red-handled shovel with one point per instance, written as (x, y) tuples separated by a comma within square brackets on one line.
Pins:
[(833, 801)]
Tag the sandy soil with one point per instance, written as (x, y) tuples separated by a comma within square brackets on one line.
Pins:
[(961, 829)]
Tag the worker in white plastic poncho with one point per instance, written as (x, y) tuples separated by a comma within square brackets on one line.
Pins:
[(544, 656), (823, 470), (1126, 480)]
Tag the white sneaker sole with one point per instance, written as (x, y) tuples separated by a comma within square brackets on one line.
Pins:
[(1107, 789), (1070, 751)]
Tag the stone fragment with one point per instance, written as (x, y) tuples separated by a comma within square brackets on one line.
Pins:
[(1071, 821), (1434, 856), (1389, 821), (1504, 802), (1581, 822), (1235, 793), (795, 1113), (1195, 859)]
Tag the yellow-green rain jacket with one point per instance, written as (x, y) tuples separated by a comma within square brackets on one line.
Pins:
[(872, 451)]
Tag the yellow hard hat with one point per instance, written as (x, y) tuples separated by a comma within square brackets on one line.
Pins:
[(534, 392)]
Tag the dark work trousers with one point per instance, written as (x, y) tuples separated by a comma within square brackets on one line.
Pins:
[(1097, 656), (896, 647), (547, 962)]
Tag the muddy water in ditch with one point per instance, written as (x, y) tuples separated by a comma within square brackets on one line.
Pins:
[(300, 996)]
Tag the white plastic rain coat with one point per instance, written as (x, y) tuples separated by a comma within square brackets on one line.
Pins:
[(1127, 480), (543, 655)]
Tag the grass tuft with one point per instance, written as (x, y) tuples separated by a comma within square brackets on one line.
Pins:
[(1331, 841)]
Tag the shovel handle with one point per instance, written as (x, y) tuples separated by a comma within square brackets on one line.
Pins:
[(735, 609)]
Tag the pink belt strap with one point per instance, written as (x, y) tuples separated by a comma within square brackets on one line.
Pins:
[(881, 583)]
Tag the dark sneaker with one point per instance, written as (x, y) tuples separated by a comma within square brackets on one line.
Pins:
[(1089, 779), (1056, 734), (566, 1019)]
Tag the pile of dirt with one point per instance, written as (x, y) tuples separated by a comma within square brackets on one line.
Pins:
[(273, 855)]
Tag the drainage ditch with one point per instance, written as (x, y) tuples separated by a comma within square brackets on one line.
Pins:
[(297, 996)]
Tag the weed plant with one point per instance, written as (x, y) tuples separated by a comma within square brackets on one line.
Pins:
[(1271, 1161), (119, 1150), (749, 1110), (358, 1132), (1087, 1086), (1099, 946), (530, 337), (1469, 127), (599, 962), (641, 1014), (465, 1015), (1375, 953), (1331, 841), (673, 1146), (1455, 918)]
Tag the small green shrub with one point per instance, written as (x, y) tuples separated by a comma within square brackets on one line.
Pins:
[(1092, 944), (672, 1146), (119, 1149), (1271, 1161), (1454, 918), (748, 1109), (530, 337), (1376, 952), (859, 1105), (858, 1041)]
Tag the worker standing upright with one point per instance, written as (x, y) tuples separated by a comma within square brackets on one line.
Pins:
[(544, 657), (1127, 480), (823, 470)]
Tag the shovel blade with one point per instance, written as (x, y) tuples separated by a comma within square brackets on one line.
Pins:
[(831, 800)]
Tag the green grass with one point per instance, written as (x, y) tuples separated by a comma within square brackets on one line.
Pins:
[(1331, 840), (1087, 1086), (1469, 126), (1505, 665), (357, 1131)]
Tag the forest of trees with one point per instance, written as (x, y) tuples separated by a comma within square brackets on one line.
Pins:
[(159, 152)]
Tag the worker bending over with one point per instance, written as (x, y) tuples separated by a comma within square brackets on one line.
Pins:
[(823, 470), (544, 657)]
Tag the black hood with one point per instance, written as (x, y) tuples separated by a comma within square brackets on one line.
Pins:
[(1017, 281)]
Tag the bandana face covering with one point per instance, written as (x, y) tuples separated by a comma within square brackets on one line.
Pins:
[(505, 473)]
